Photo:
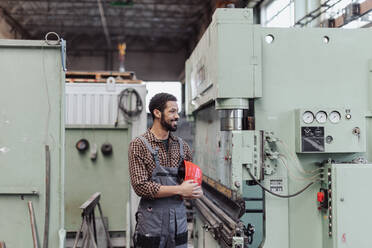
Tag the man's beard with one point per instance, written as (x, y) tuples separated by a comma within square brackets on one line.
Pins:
[(168, 126)]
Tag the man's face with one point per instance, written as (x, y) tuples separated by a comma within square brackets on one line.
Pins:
[(169, 116)]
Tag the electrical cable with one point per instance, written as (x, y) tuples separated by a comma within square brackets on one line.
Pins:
[(313, 172), (275, 194), (297, 162), (306, 176), (125, 98), (298, 178)]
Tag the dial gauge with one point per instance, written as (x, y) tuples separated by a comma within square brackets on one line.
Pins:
[(308, 117), (335, 117), (321, 117)]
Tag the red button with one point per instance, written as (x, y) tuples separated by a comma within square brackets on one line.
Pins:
[(320, 196)]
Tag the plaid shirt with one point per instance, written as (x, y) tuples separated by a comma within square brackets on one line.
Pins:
[(141, 161)]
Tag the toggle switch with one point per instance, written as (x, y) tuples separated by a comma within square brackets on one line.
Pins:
[(320, 196)]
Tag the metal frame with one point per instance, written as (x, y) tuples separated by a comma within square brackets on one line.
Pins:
[(93, 20)]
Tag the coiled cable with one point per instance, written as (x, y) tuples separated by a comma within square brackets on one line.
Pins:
[(125, 100)]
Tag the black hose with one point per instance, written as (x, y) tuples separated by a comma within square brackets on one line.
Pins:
[(275, 194), (123, 100)]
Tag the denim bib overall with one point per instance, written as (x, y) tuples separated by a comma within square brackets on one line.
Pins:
[(162, 222)]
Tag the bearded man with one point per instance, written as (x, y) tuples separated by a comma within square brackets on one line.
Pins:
[(154, 161)]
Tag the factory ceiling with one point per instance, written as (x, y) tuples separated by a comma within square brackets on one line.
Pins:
[(157, 24), (97, 26)]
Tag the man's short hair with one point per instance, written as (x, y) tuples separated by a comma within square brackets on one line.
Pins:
[(159, 102)]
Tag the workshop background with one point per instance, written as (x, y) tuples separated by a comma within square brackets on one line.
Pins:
[(273, 94)]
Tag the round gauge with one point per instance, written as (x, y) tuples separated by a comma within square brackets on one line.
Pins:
[(321, 117), (308, 117), (335, 117)]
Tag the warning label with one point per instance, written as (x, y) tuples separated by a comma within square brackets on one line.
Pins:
[(276, 185)]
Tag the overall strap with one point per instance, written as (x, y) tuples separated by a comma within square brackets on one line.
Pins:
[(147, 144), (182, 154), (153, 152)]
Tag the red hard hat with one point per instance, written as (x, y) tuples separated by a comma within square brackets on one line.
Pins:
[(193, 172)]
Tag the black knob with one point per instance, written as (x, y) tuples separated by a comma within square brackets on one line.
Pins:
[(106, 149)]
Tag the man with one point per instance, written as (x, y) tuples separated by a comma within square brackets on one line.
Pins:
[(154, 160)]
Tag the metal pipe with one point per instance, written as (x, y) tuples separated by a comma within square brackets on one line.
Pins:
[(210, 216), (128, 232), (231, 119), (47, 196), (104, 23), (223, 230), (226, 236), (212, 219), (219, 212), (33, 225)]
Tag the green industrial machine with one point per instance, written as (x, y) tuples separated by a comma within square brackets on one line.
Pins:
[(97, 140), (32, 143), (282, 134)]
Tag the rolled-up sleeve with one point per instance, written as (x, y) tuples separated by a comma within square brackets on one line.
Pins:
[(139, 175)]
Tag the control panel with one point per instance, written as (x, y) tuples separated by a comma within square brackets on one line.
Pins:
[(330, 130)]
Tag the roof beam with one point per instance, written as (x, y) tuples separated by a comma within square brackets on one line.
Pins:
[(136, 2), (149, 32), (39, 17), (15, 24), (148, 13), (104, 23)]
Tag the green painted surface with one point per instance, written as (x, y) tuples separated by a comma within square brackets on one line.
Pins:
[(31, 116), (299, 71), (209, 67), (256, 219), (107, 174), (347, 221)]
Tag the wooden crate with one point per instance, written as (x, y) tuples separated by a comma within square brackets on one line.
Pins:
[(101, 77)]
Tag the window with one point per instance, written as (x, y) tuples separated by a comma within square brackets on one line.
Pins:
[(337, 9), (278, 13), (174, 88)]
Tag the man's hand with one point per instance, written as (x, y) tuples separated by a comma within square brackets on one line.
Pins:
[(197, 192), (190, 190), (187, 188)]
